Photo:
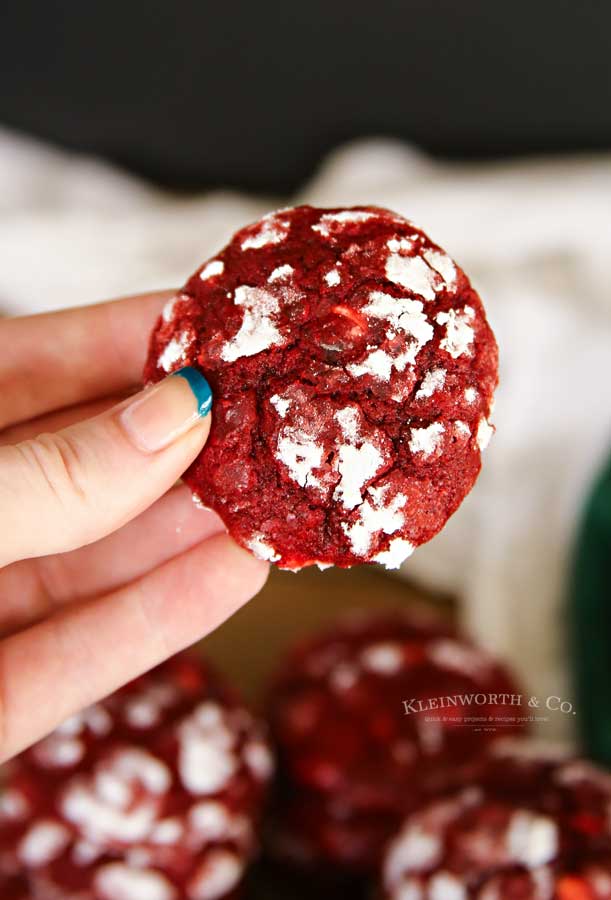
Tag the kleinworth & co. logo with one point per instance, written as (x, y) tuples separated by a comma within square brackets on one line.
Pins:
[(484, 710)]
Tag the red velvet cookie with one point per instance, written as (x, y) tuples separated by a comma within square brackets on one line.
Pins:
[(353, 757), (353, 371), (160, 786), (527, 827)]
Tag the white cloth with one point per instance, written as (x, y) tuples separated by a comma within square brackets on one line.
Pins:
[(536, 239)]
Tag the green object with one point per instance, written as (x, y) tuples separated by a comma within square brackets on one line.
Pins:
[(590, 623)]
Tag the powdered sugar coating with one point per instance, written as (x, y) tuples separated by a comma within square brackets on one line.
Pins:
[(413, 273), (457, 657), (218, 875), (14, 805), (66, 746), (445, 886), (333, 278), (259, 759), (401, 314), (378, 513), (214, 267), (427, 440), (484, 433), (272, 229), (117, 881), (332, 222), (414, 850), (168, 310), (398, 551), (206, 760), (461, 428), (43, 842), (300, 453), (378, 364), (442, 263), (433, 381), (120, 802), (257, 331), (360, 451), (262, 549), (532, 839), (358, 460), (280, 273), (459, 334), (280, 404), (315, 312), (145, 709), (175, 352), (383, 659)]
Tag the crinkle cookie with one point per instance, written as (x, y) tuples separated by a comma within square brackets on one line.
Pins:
[(528, 827), (353, 372), (155, 792), (371, 718)]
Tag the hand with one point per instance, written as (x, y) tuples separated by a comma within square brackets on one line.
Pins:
[(107, 568)]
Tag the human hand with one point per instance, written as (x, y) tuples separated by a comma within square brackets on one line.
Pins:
[(105, 568)]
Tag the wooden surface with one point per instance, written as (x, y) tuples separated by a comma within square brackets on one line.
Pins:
[(249, 645)]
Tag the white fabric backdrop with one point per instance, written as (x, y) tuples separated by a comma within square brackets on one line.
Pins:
[(535, 238)]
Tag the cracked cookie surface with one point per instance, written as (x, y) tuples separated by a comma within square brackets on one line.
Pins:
[(353, 370)]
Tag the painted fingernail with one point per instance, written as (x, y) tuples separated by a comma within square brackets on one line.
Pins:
[(199, 386), (161, 414)]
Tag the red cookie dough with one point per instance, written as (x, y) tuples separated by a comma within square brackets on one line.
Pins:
[(353, 371), (528, 827), (353, 759), (155, 792), (14, 888)]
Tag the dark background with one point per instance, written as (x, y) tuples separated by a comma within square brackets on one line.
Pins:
[(252, 94)]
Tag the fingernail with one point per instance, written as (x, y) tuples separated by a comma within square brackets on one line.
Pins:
[(200, 387), (159, 415)]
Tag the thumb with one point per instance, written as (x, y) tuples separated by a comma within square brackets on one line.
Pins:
[(60, 491)]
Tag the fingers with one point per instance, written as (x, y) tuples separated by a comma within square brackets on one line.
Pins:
[(64, 490), (171, 526), (59, 419), (77, 354), (32, 589), (93, 648)]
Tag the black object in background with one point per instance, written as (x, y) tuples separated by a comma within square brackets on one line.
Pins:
[(252, 94)]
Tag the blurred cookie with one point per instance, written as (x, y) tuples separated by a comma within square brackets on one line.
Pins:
[(370, 719), (528, 827), (154, 792)]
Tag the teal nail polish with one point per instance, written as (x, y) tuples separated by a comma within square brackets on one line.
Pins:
[(199, 386)]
